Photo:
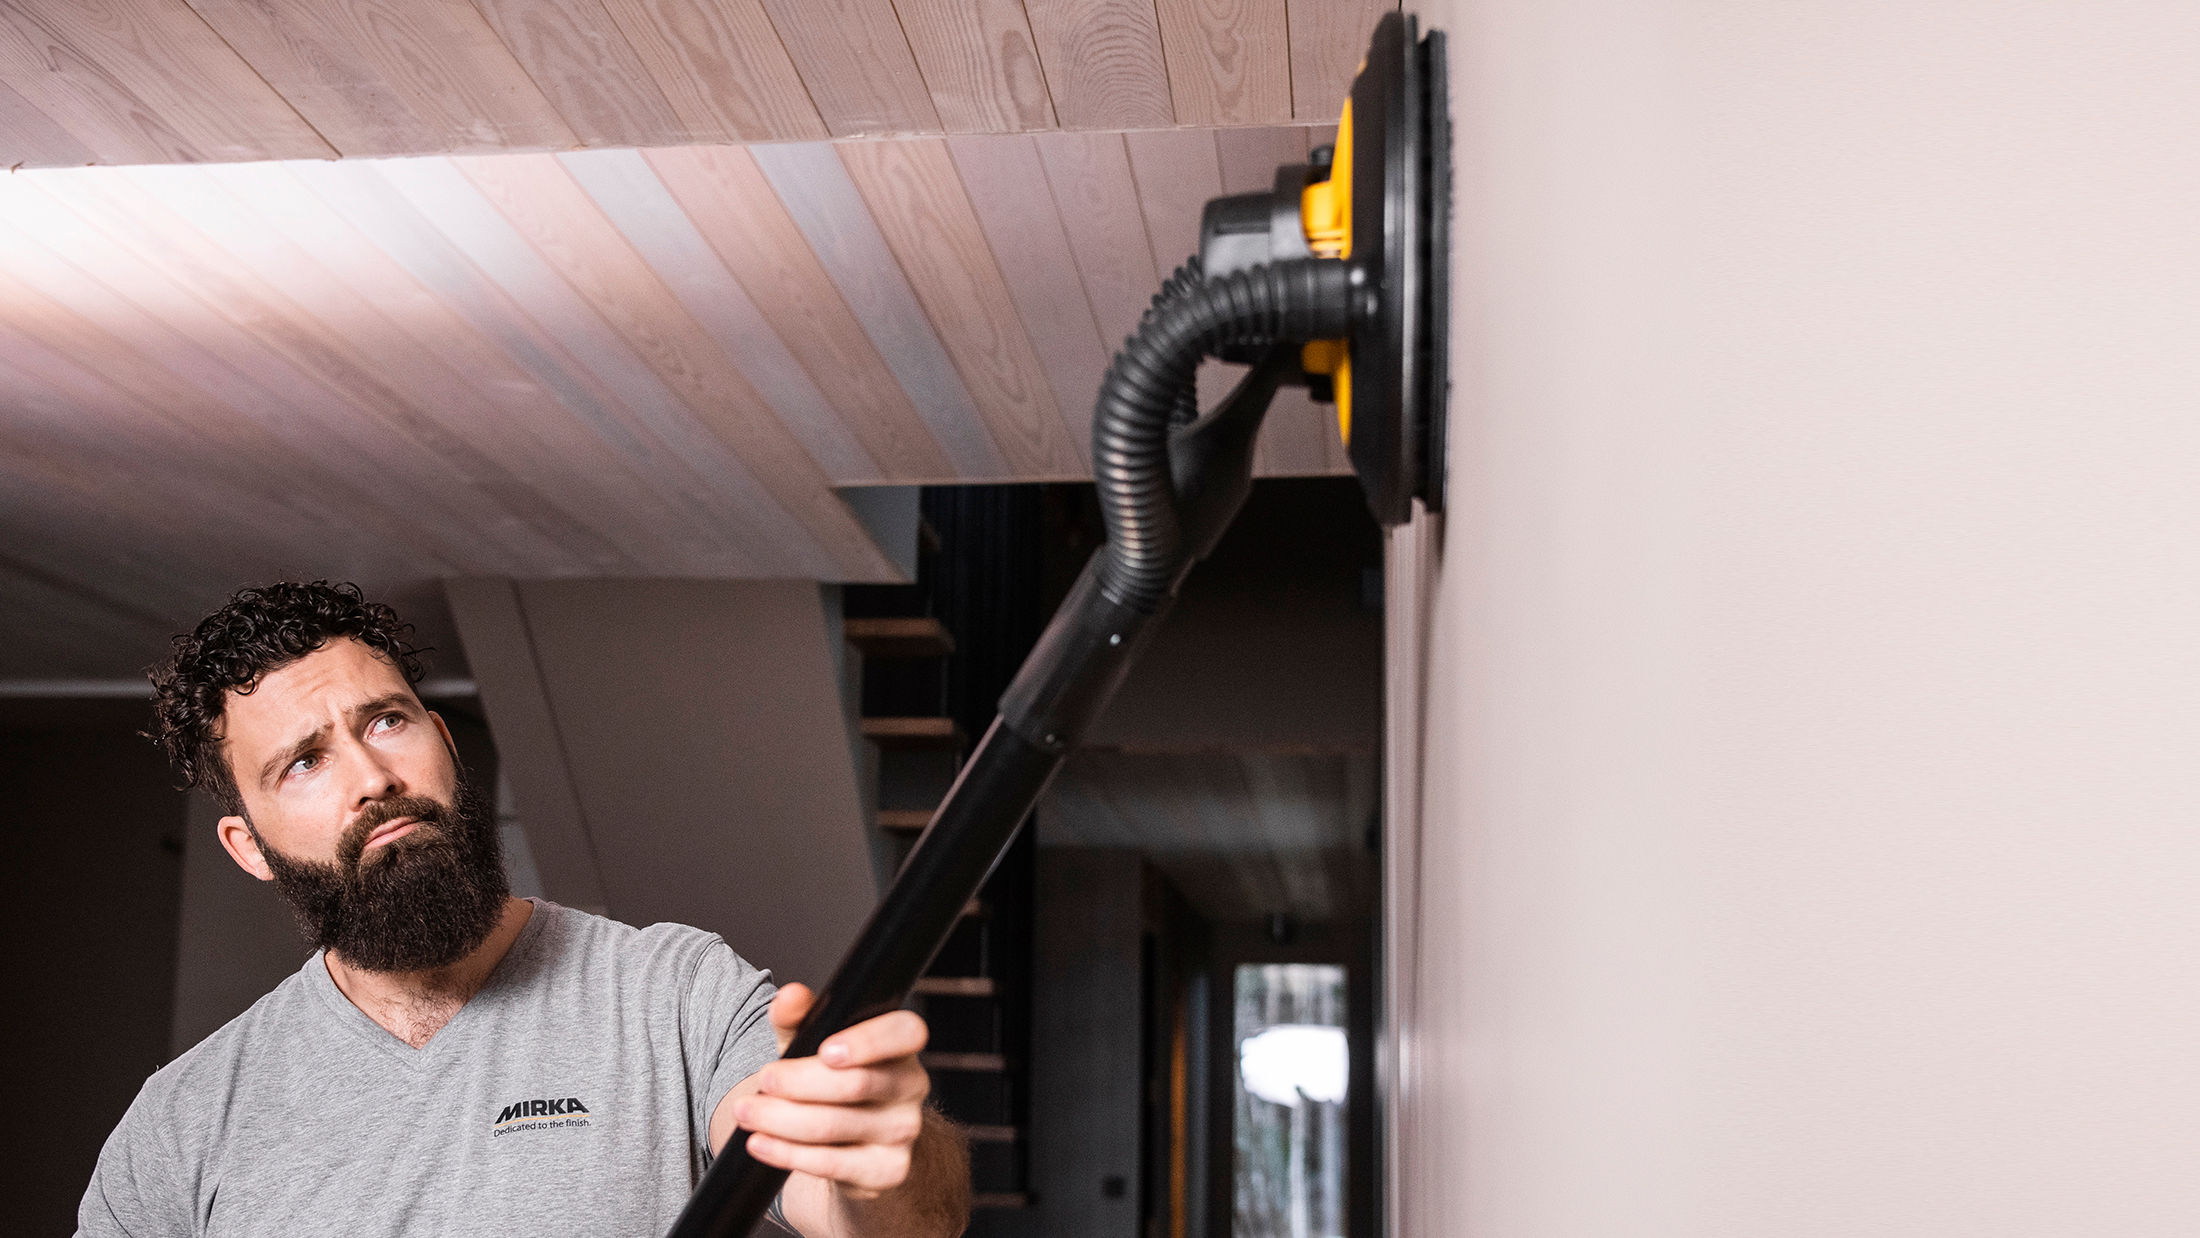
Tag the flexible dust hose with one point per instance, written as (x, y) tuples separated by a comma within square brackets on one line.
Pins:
[(1301, 299), (1156, 529)]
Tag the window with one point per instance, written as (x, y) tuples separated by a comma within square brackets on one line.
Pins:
[(1293, 1060)]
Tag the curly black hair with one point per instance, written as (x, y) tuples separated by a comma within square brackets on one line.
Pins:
[(255, 632)]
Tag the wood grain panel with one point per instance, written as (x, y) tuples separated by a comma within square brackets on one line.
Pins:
[(857, 65), (194, 345), (629, 194), (1089, 175), (48, 340), (376, 77), (979, 63), (112, 456), (1001, 174), (30, 138), (721, 66), (109, 602), (689, 534), (1328, 41), (92, 446), (544, 205), (146, 83), (157, 81), (1104, 63), (1250, 157), (515, 410), (1177, 171), (578, 57), (733, 206), (691, 463), (1229, 60), (493, 440), (361, 402), (819, 196), (925, 215)]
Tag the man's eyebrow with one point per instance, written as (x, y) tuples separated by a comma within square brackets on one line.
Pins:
[(298, 748), (385, 701)]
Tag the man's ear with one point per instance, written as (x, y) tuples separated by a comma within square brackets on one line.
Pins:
[(237, 840), (450, 745)]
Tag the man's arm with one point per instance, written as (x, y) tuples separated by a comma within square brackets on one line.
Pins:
[(866, 1157), (138, 1185)]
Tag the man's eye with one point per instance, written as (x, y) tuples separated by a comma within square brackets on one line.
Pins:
[(386, 721), (304, 765)]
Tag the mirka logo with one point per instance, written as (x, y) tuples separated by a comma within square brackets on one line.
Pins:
[(540, 1115)]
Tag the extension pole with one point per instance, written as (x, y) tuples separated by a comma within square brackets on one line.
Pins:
[(997, 787), (1079, 662)]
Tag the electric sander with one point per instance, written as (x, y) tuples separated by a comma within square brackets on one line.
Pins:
[(1381, 201)]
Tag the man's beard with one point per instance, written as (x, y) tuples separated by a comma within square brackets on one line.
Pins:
[(417, 903)]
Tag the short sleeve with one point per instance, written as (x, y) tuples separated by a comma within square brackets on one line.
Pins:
[(724, 1026), (725, 1022), (135, 1190)]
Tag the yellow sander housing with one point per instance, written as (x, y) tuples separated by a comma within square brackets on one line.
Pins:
[(1380, 199)]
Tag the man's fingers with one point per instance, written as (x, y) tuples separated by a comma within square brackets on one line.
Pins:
[(808, 1079), (897, 1033), (868, 1168), (802, 1122), (788, 1006)]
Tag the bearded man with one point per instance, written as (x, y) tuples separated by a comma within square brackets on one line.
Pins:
[(453, 1060)]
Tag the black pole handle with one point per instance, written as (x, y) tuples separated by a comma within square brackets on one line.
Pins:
[(1079, 662), (975, 824)]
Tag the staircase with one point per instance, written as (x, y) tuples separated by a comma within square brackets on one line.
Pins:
[(924, 693)]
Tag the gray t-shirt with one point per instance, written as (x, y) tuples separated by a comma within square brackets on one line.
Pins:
[(572, 1095)]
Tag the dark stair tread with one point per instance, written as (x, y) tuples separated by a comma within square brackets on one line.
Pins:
[(917, 636), (910, 819), (986, 1063), (954, 986), (898, 732)]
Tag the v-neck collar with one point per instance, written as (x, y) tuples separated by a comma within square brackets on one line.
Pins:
[(443, 1044)]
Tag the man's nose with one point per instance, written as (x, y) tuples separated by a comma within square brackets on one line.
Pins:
[(372, 777)]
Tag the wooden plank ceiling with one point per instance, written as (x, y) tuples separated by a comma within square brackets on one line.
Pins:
[(197, 81), (262, 347)]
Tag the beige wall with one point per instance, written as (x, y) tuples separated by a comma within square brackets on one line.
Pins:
[(1811, 842), (235, 938), (682, 750)]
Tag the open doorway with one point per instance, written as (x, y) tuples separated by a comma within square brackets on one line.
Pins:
[(1205, 901)]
